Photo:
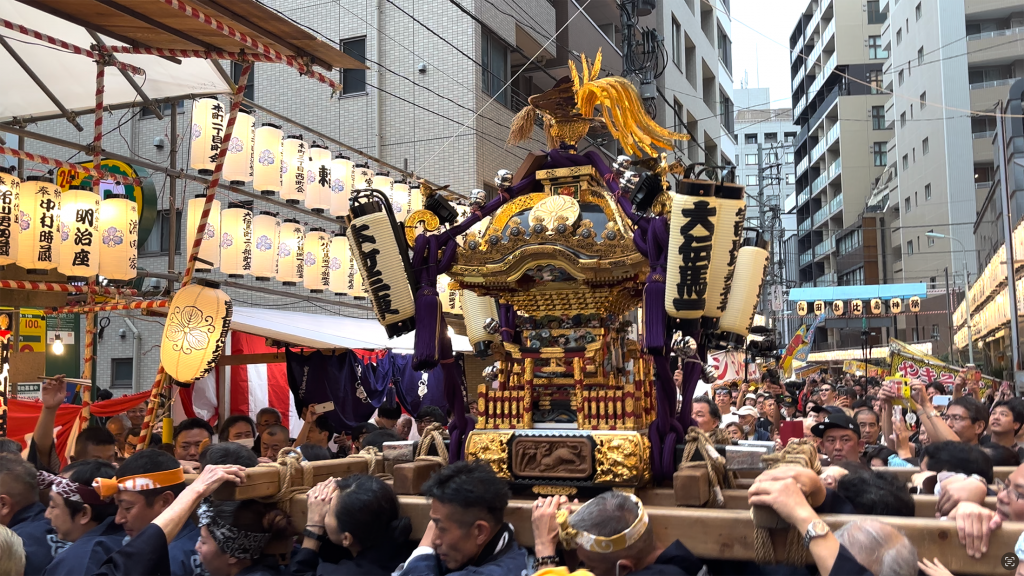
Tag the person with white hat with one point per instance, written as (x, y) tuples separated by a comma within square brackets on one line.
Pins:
[(747, 418)]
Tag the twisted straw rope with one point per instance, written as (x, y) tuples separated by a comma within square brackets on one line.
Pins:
[(370, 454), (801, 453), (432, 435), (718, 477), (289, 464)]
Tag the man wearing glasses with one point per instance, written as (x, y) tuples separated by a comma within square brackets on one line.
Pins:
[(827, 392), (975, 523)]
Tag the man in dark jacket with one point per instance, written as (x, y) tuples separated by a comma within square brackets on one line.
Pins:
[(21, 511)]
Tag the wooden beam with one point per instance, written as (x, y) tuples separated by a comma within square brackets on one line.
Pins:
[(904, 474), (265, 357), (924, 504)]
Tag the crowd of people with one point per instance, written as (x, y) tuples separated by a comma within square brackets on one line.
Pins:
[(115, 510)]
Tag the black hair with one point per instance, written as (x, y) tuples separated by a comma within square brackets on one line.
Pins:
[(228, 453), (713, 409), (193, 424), (92, 436), (473, 487), (378, 438), (18, 480), (938, 386), (84, 472), (878, 419), (877, 451), (104, 394), (254, 516), (1001, 455), (1016, 408), (389, 412), (225, 426), (433, 412), (323, 424), (147, 461), (8, 446), (951, 456), (862, 403), (876, 494), (367, 508), (268, 410), (975, 410), (314, 452), (364, 428)]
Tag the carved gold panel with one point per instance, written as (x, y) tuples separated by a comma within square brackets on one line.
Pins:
[(491, 447), (552, 457), (622, 459)]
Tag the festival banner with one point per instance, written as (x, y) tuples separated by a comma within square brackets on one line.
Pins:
[(808, 370), (906, 363), (803, 351), (854, 366), (796, 342)]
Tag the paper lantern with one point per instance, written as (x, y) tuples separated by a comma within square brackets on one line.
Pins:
[(39, 220), (119, 239), (316, 274), (415, 198), (318, 179), (356, 288), (837, 307), (236, 239), (915, 304), (751, 262), (238, 166), (801, 308), (732, 210), (383, 183), (197, 325), (477, 310), (79, 233), (362, 177), (382, 256), (876, 305), (266, 234), (341, 185), (895, 305), (690, 244), (293, 170), (451, 300), (290, 252), (401, 200), (209, 250), (339, 263), (10, 217), (209, 118), (856, 307), (819, 307), (267, 160)]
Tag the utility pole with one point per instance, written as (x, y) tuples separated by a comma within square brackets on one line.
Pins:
[(949, 313), (1005, 174)]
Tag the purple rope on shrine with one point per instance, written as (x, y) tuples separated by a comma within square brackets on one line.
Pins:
[(507, 320), (459, 426), (665, 430), (655, 317), (428, 306)]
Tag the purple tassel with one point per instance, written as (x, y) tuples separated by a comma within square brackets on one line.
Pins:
[(507, 319), (665, 430), (428, 306), (459, 426)]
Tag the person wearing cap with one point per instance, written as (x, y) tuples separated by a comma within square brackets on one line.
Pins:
[(818, 412), (747, 418), (146, 484), (840, 438)]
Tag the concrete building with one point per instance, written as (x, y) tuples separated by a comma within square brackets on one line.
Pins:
[(757, 123), (433, 101)]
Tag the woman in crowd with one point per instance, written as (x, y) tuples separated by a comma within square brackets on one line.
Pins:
[(734, 431), (359, 513)]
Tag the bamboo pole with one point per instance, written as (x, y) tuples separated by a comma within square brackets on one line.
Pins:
[(94, 172), (68, 288), (92, 309)]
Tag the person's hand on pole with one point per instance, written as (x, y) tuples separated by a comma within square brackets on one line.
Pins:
[(545, 527), (51, 394), (173, 517), (974, 525), (318, 504)]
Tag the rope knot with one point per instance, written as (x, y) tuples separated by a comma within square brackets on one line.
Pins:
[(432, 435)]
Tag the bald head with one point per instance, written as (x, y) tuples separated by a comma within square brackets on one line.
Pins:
[(880, 548)]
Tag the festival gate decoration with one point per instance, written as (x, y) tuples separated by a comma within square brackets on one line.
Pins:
[(732, 210), (690, 242), (236, 241), (293, 170), (10, 217), (267, 167), (751, 263), (197, 324), (79, 233), (341, 185), (119, 239), (837, 308), (208, 121), (238, 166), (39, 220), (338, 264), (318, 179), (876, 306), (381, 253), (317, 263), (291, 253), (266, 235), (477, 311), (914, 304), (209, 248)]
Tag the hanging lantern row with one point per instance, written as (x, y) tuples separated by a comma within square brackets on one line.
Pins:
[(874, 306), (302, 174), (74, 232)]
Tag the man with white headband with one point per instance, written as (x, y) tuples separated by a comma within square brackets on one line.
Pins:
[(146, 484)]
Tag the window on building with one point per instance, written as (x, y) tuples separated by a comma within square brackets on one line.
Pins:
[(910, 247), (165, 108), (679, 116), (920, 56), (771, 137), (121, 373), (852, 278), (250, 82), (750, 159), (906, 204), (494, 57), (875, 80), (771, 157), (789, 157), (917, 12), (875, 15), (903, 119), (878, 117), (924, 100), (876, 50), (160, 238), (789, 137), (725, 112), (354, 81), (690, 58), (899, 36), (915, 200), (790, 178), (848, 243), (924, 147), (879, 151), (931, 241), (677, 43), (935, 327), (725, 49), (750, 138), (906, 163), (927, 192), (752, 179), (900, 77)]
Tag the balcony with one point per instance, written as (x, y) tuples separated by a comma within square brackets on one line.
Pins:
[(996, 46), (985, 95), (804, 226), (994, 34), (802, 165), (803, 197), (818, 150), (820, 215), (820, 80), (834, 169), (993, 84), (829, 31), (800, 105), (836, 204), (805, 258), (981, 144), (824, 248), (832, 135)]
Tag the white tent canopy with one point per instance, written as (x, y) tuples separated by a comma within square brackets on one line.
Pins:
[(72, 77), (325, 332)]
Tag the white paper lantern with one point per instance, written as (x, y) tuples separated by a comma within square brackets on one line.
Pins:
[(362, 177), (477, 310), (382, 258), (79, 234), (290, 253), (266, 234), (10, 217), (238, 166), (451, 300), (339, 263), (401, 200), (341, 185), (236, 241), (732, 210), (318, 179), (197, 324), (383, 182), (415, 197), (356, 288), (39, 219), (293, 170), (267, 160), (751, 262), (119, 239), (209, 250), (316, 274), (209, 118), (690, 242)]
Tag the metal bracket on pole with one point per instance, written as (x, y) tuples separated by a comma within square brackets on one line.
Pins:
[(39, 82), (131, 81)]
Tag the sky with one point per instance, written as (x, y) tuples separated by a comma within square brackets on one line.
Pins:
[(764, 55)]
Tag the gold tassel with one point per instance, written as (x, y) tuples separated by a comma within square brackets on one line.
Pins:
[(624, 115), (549, 132), (522, 125)]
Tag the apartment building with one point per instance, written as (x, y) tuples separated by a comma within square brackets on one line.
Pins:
[(433, 101), (759, 126)]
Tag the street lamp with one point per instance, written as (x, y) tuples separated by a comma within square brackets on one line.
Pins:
[(967, 292)]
